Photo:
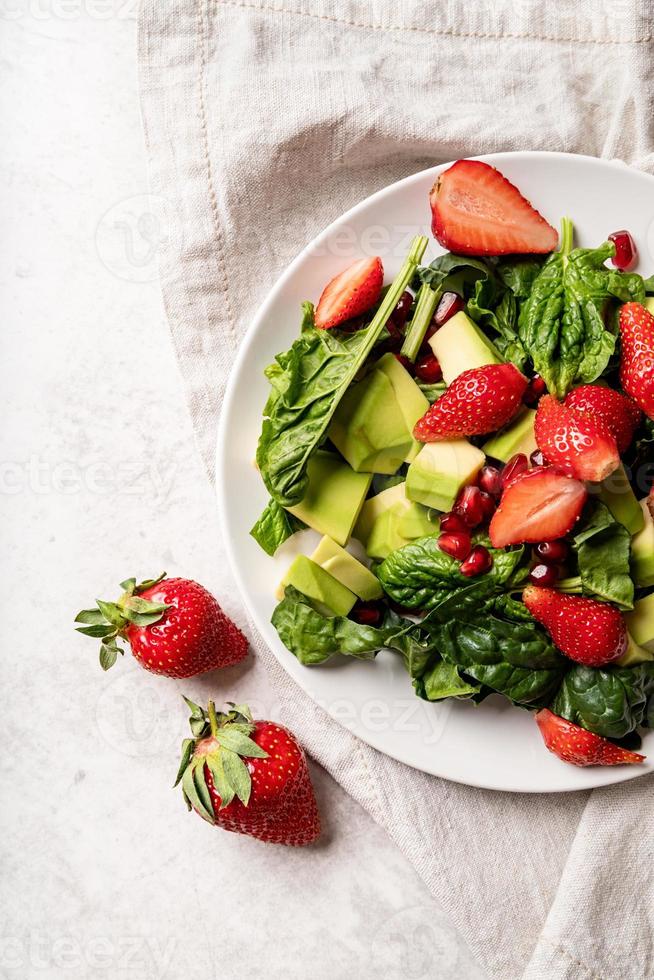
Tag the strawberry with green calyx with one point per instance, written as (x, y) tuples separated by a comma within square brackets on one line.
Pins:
[(249, 777), (173, 626)]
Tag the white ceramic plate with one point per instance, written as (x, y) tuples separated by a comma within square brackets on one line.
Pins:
[(493, 745)]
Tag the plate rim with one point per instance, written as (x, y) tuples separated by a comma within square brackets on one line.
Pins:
[(598, 776)]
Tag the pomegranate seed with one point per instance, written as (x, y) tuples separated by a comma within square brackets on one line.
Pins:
[(449, 304), (552, 552), (516, 465), (456, 545), (429, 370), (490, 480), (401, 312), (488, 505), (470, 506), (478, 561), (547, 575), (537, 458), (626, 253), (366, 613), (405, 362), (453, 523), (535, 390)]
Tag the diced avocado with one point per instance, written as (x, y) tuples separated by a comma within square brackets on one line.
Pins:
[(329, 596), (368, 427), (635, 655), (413, 404), (334, 497), (440, 470), (640, 623), (618, 496), (460, 345), (516, 438), (649, 304), (642, 550), (388, 521), (345, 567)]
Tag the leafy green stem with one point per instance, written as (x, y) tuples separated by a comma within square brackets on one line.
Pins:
[(570, 585), (567, 236), (426, 304), (213, 720)]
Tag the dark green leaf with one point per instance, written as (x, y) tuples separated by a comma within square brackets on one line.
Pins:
[(234, 740), (111, 612), (603, 552), (187, 753), (191, 792), (92, 617), (237, 775), (97, 631), (198, 720), (274, 527), (128, 585), (221, 784), (609, 701), (443, 680), (108, 655)]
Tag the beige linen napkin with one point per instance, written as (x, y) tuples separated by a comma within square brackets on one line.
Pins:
[(265, 120)]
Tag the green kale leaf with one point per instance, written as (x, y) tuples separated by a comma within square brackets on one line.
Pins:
[(609, 701)]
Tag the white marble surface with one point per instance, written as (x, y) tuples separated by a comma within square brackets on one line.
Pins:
[(105, 874)]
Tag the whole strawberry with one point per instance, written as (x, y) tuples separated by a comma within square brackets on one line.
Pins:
[(619, 414), (578, 443), (580, 747), (173, 626), (250, 777), (637, 357), (479, 401), (585, 630)]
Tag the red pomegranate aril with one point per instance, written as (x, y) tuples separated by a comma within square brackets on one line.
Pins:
[(456, 546), (488, 505), (405, 362), (478, 561), (429, 370), (547, 575), (626, 253), (516, 465), (537, 388), (401, 312), (551, 552), (448, 305), (469, 506), (366, 614), (452, 523), (490, 480), (537, 458)]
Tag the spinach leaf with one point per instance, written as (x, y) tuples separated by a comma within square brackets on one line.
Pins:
[(445, 267), (609, 701), (561, 323), (518, 273), (443, 680), (307, 384), (501, 317), (274, 527), (420, 576), (314, 638), (516, 659), (603, 552)]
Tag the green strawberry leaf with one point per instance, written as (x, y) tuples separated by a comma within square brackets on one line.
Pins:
[(92, 617), (148, 583), (187, 754), (237, 742), (100, 631), (189, 787), (198, 719), (111, 612), (221, 783), (109, 654), (237, 775)]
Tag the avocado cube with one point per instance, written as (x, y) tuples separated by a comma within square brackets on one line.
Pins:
[(375, 506), (388, 521), (642, 550), (329, 596), (334, 497), (640, 623), (368, 427), (349, 572), (518, 437), (460, 345), (413, 403), (649, 304), (440, 470), (615, 491)]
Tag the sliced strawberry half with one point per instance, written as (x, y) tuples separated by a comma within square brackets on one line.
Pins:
[(578, 443), (477, 211), (637, 357), (350, 293), (587, 631), (581, 748), (542, 504), (480, 400), (619, 414)]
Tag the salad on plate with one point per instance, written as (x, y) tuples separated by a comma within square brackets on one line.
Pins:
[(474, 442)]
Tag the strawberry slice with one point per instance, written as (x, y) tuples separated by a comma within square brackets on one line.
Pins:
[(581, 748), (542, 504), (350, 293), (619, 414), (637, 358), (477, 211), (587, 631), (579, 444), (480, 400)]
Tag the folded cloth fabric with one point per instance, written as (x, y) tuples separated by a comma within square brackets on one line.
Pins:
[(265, 120)]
